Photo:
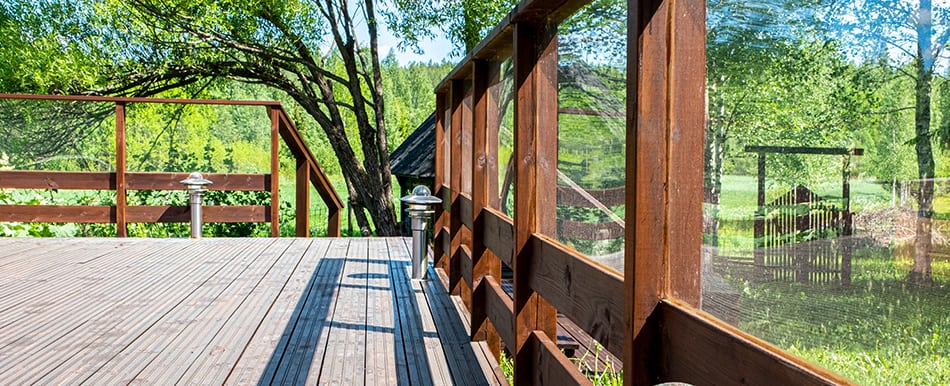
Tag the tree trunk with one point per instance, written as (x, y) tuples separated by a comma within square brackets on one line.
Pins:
[(920, 272)]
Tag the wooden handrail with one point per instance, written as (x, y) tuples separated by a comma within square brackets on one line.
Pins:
[(308, 172), (651, 318)]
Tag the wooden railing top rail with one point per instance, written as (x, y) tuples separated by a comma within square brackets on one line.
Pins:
[(96, 98)]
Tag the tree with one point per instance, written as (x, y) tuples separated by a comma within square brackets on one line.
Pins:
[(310, 50), (914, 32)]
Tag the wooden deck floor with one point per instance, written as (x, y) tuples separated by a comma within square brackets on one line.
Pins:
[(227, 311)]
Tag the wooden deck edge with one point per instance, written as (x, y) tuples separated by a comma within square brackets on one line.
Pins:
[(489, 366)]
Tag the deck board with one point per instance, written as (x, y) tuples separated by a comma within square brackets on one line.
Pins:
[(226, 311)]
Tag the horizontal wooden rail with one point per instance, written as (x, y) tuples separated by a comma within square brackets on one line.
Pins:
[(699, 349), (465, 210), (499, 233), (553, 366), (99, 214), (42, 179), (581, 289), (499, 308), (121, 180)]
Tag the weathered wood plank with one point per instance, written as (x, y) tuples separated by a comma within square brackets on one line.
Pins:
[(345, 360), (581, 289), (287, 323), (499, 233), (304, 338), (41, 179), (410, 329), (380, 317)]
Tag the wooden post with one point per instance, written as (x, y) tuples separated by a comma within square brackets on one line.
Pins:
[(484, 194), (758, 258), (274, 172), (535, 153), (441, 216), (666, 83), (121, 204), (302, 225), (455, 185)]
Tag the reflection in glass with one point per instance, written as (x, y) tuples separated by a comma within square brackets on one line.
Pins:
[(838, 258), (592, 131)]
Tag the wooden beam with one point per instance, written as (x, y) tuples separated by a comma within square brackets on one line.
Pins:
[(499, 234), (92, 214), (581, 289), (441, 217), (484, 194), (697, 348), (40, 179), (455, 182), (219, 181), (274, 172), (553, 366), (121, 200), (666, 88), (535, 153), (499, 308), (302, 198)]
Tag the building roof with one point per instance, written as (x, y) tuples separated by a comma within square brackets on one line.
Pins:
[(415, 157)]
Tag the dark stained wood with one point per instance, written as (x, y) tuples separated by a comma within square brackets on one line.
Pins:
[(121, 201), (209, 213), (647, 97), (465, 210), (441, 216), (57, 213), (553, 366), (581, 289), (498, 44), (39, 179), (499, 234), (126, 100), (685, 144), (274, 172), (219, 181), (42, 179), (700, 349), (122, 181), (535, 154), (302, 198), (499, 308), (456, 126), (484, 195)]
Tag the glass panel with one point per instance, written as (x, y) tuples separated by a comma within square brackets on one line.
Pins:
[(592, 131), (827, 195), (502, 91)]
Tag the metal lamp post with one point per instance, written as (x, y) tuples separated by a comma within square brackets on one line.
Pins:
[(195, 185), (420, 204)]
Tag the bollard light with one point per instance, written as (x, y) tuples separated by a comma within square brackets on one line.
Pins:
[(420, 204), (195, 185)]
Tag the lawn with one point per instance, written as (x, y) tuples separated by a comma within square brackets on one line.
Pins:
[(878, 331)]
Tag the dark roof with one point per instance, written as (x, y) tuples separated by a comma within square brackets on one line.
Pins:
[(415, 157)]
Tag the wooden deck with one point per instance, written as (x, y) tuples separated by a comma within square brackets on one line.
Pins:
[(228, 311)]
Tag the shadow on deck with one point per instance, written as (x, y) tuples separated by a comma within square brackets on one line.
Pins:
[(265, 311)]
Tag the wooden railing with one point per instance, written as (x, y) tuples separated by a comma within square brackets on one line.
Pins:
[(121, 180), (649, 316)]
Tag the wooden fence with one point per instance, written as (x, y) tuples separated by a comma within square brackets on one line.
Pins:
[(650, 315), (122, 181)]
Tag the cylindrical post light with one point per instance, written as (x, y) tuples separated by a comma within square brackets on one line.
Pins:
[(420, 203), (195, 185)]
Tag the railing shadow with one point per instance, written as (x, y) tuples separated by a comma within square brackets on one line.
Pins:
[(295, 352)]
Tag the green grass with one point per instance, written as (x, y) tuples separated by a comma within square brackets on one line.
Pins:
[(880, 331)]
